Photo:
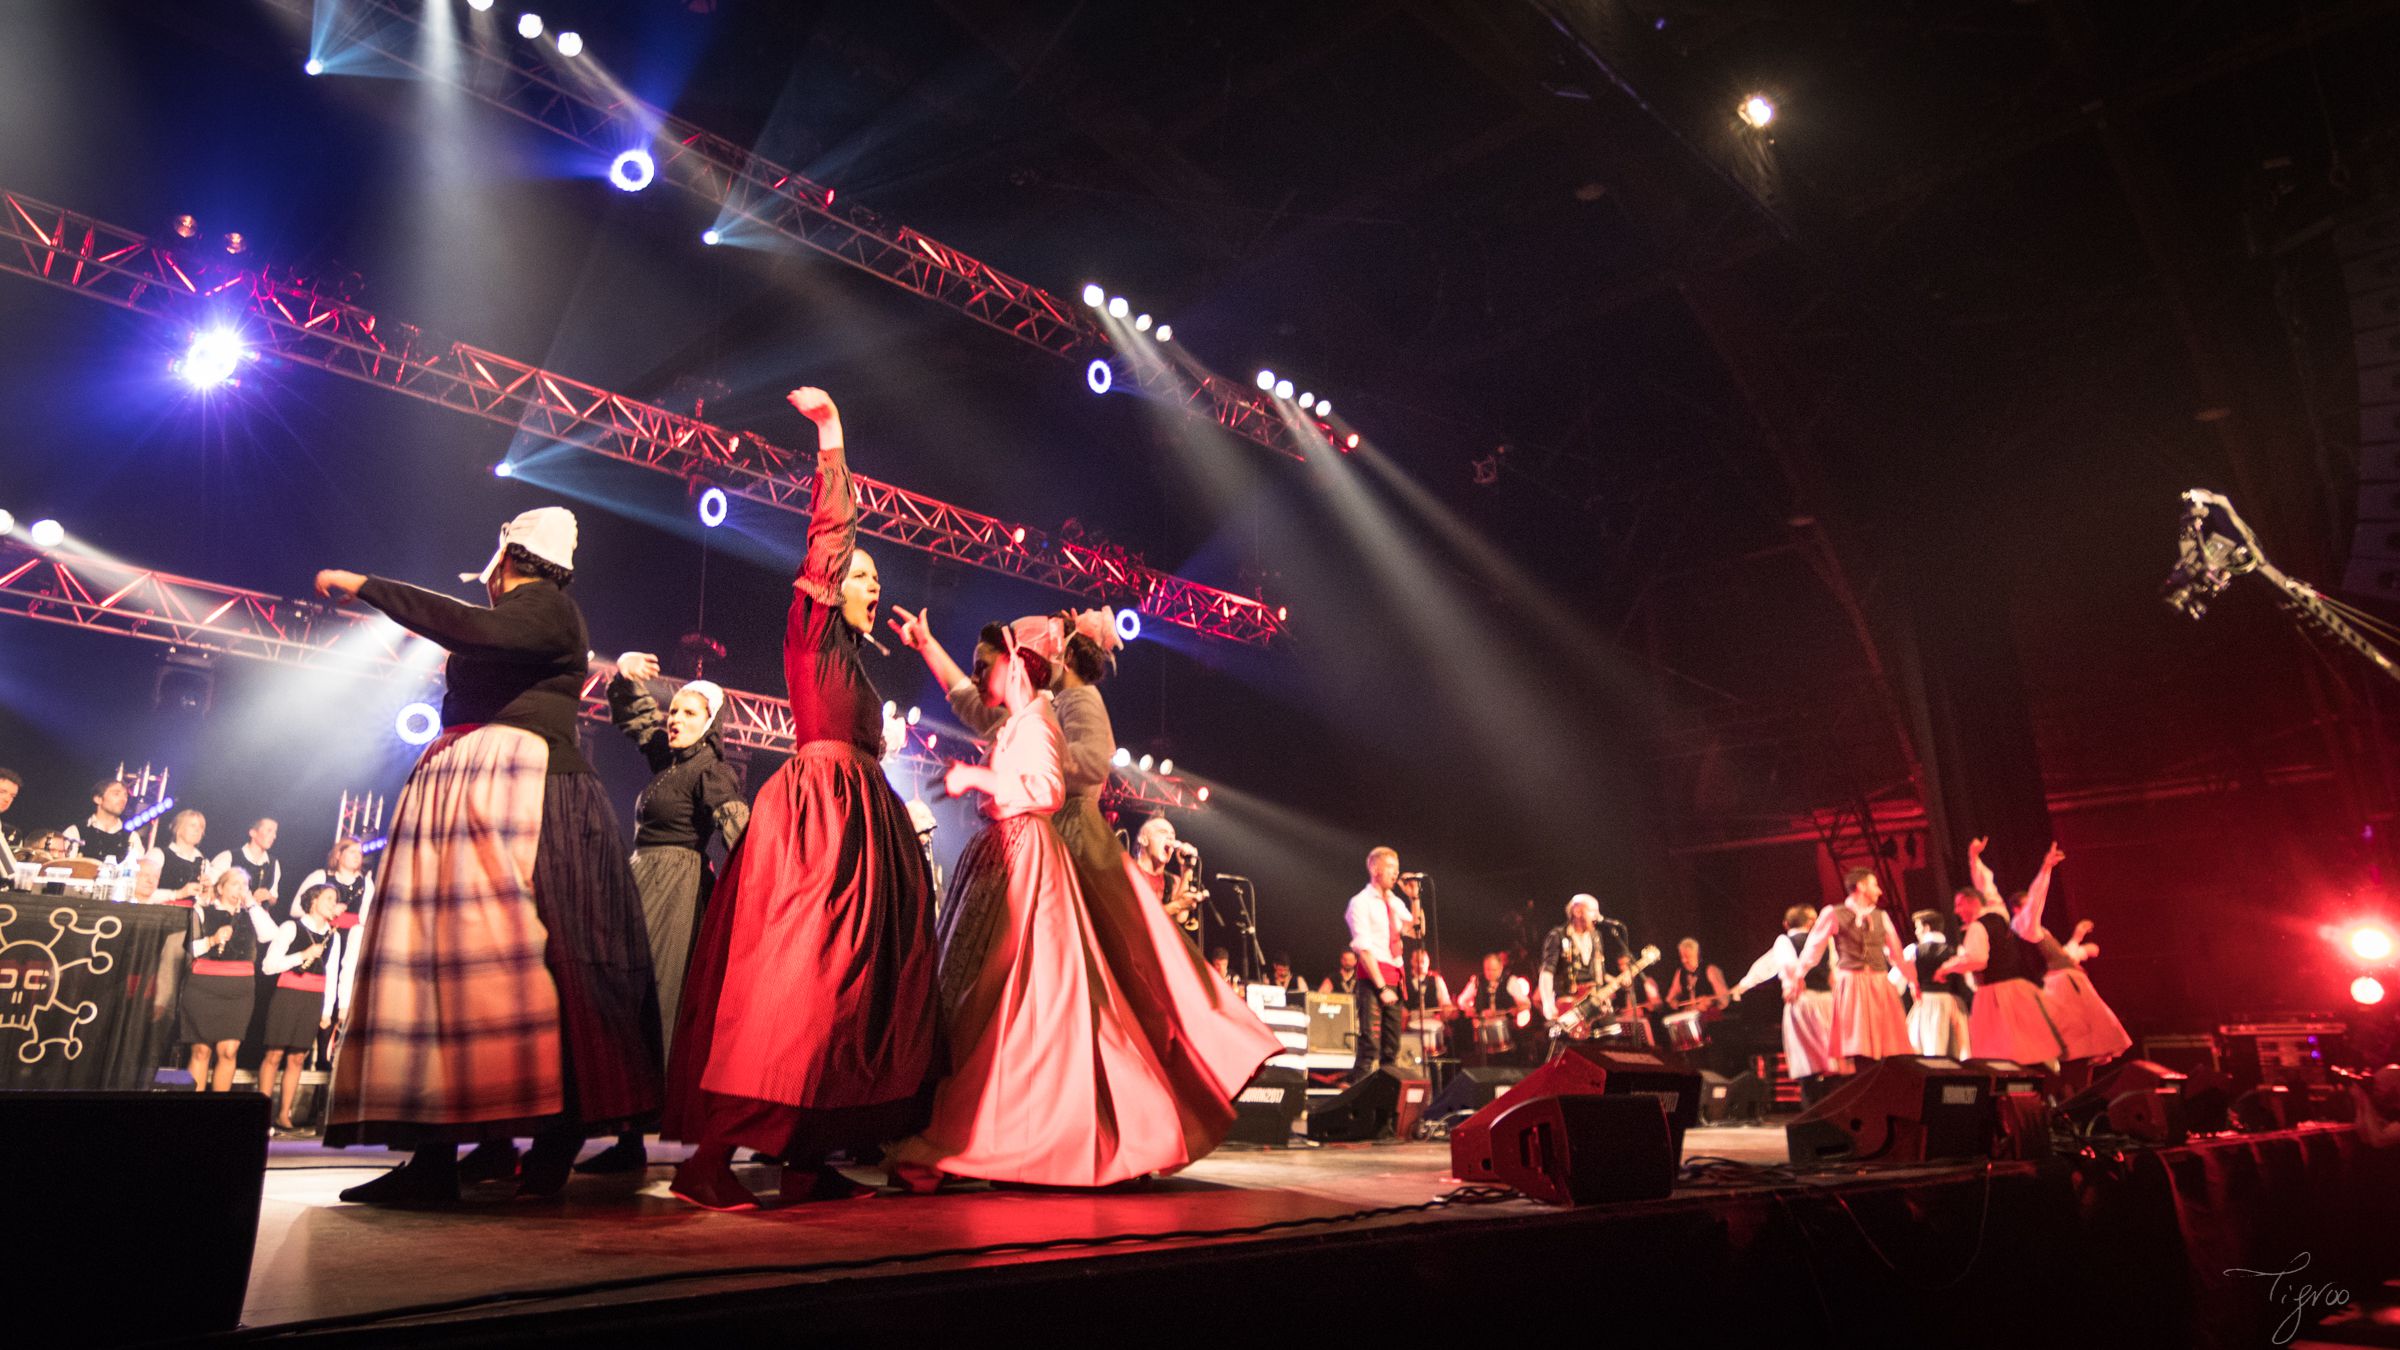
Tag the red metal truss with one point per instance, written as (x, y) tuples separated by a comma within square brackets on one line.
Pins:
[(740, 184), (103, 595), (296, 323)]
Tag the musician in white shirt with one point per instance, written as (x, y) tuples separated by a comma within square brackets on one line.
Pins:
[(1379, 916)]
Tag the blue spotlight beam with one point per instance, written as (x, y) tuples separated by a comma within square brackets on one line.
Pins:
[(288, 320), (741, 184)]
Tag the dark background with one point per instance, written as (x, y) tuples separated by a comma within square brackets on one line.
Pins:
[(1917, 374)]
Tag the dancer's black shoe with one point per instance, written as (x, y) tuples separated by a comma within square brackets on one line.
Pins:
[(489, 1161), (625, 1155), (430, 1177)]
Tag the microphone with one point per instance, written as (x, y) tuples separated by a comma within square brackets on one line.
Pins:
[(869, 639), (1228, 876), (1187, 850), (1412, 876)]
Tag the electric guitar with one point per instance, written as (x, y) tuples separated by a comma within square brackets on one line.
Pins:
[(1593, 1006)]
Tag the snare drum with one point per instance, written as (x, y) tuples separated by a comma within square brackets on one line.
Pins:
[(1433, 1032), (1493, 1035), (1684, 1031)]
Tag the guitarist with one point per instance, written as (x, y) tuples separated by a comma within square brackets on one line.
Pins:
[(1573, 956)]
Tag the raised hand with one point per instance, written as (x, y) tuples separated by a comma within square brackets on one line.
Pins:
[(959, 779), (914, 628), (813, 403), (339, 585), (2054, 857), (638, 666)]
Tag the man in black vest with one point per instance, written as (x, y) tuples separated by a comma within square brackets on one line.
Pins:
[(256, 856)]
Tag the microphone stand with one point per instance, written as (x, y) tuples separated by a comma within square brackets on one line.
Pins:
[(1433, 970), (1254, 959)]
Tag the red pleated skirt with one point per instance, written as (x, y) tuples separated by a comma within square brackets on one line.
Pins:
[(807, 1021)]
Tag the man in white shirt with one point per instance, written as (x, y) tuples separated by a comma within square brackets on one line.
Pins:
[(1379, 917), (257, 858), (10, 781)]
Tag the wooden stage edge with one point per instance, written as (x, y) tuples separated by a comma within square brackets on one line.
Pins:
[(1252, 1234)]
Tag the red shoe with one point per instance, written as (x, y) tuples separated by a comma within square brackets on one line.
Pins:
[(712, 1186)]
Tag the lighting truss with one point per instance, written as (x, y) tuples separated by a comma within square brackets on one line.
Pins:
[(106, 596), (291, 320), (741, 184)]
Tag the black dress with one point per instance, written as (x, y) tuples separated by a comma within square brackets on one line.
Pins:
[(179, 871), (299, 1000), (223, 985), (693, 795)]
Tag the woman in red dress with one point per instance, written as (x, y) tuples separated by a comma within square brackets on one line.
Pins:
[(807, 1017)]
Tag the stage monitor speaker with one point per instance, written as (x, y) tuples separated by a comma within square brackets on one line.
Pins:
[(1384, 1104), (2141, 1100), (1268, 1107), (2022, 1114), (1472, 1089), (178, 1174), (1743, 1097), (1580, 1149), (1904, 1109), (2263, 1109), (1579, 1068)]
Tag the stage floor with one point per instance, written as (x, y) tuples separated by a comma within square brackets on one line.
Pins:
[(317, 1257)]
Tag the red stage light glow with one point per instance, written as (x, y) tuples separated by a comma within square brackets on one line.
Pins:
[(2366, 991), (2371, 942), (1351, 443)]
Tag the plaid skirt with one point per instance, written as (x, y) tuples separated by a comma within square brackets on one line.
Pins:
[(504, 977)]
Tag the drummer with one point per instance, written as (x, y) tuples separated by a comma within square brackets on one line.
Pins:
[(1499, 1006), (1428, 1000)]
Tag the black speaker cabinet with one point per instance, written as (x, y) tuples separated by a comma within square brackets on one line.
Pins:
[(1472, 1089), (1744, 1097), (177, 1174), (1905, 1109), (1580, 1069), (1384, 1104), (1579, 1149), (1267, 1107), (2142, 1101)]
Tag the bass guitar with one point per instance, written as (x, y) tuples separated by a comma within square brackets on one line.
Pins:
[(1592, 1008)]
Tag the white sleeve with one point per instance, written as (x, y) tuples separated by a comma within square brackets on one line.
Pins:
[(336, 972), (1765, 968), (261, 924), (279, 952)]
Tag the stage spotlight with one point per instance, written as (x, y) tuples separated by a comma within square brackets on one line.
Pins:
[(314, 66), (710, 237), (47, 534), (417, 723), (1324, 407), (2366, 991), (529, 26), (185, 227), (8, 523), (235, 243), (632, 170), (914, 714), (211, 359), (1122, 758), (1350, 442), (932, 739), (713, 506), (1758, 110), (2370, 942), (1203, 794), (1282, 612), (1017, 536), (1165, 333), (479, 6), (1098, 376), (1266, 380), (891, 709), (1117, 308), (504, 469), (1283, 389), (1129, 624), (570, 44), (1093, 295), (1165, 767), (1307, 401), (1143, 764), (1141, 323)]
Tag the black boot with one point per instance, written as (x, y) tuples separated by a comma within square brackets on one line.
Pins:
[(625, 1155), (492, 1160), (429, 1177), (548, 1164)]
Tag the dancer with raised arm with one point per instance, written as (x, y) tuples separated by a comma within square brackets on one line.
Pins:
[(2010, 1019), (503, 984), (693, 795), (807, 1022), (1202, 1035)]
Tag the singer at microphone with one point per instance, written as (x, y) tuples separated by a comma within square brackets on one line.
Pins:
[(1379, 917)]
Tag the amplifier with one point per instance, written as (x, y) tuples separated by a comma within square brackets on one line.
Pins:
[(1332, 1024), (1268, 1109), (2292, 1053)]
